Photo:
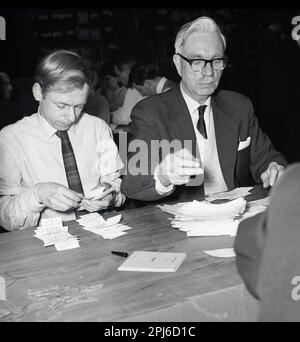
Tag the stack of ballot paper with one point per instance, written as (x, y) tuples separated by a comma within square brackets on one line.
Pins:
[(230, 195), (52, 232), (205, 218), (108, 229)]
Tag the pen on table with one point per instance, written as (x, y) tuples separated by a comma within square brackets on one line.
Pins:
[(122, 254)]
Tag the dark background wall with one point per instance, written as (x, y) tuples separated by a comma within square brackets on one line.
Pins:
[(264, 59)]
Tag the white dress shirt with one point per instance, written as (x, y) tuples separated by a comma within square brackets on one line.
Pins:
[(30, 153), (213, 177)]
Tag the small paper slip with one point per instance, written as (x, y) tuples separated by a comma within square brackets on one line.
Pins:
[(230, 195), (144, 261), (108, 229), (54, 221), (92, 219), (221, 253), (67, 244)]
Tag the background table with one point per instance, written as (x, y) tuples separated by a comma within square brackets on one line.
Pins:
[(83, 284)]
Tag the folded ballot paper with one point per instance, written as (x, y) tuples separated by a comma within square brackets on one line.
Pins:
[(52, 232), (108, 229), (206, 219)]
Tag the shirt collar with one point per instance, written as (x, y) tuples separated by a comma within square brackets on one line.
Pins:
[(192, 104), (160, 85), (48, 130)]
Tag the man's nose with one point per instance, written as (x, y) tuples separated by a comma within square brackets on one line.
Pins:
[(208, 69), (72, 114)]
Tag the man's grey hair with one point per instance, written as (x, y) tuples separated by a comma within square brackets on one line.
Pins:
[(202, 24)]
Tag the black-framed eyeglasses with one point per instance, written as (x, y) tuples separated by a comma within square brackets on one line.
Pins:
[(198, 64)]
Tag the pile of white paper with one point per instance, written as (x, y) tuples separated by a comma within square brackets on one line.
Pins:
[(52, 232), (108, 229), (205, 218)]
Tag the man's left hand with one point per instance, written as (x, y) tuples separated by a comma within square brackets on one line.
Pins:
[(271, 175), (95, 205)]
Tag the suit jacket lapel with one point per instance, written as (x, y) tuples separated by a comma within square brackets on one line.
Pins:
[(226, 131), (180, 119)]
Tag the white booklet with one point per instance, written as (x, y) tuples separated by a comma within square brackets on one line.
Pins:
[(144, 261)]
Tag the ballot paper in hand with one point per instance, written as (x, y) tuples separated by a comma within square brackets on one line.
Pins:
[(145, 261)]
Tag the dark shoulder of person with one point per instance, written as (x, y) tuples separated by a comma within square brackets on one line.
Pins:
[(9, 113)]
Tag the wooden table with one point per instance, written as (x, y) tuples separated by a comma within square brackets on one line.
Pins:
[(83, 284)]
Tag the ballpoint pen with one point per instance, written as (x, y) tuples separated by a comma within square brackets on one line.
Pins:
[(122, 254)]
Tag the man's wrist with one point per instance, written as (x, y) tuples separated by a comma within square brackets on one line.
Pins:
[(36, 193)]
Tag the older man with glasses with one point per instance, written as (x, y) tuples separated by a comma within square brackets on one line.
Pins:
[(216, 137)]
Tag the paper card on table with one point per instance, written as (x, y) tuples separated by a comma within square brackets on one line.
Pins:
[(112, 235), (145, 261), (221, 253), (67, 244)]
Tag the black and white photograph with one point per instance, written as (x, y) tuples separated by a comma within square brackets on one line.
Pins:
[(149, 167)]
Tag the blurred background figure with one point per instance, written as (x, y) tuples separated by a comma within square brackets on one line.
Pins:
[(97, 104), (109, 85), (123, 67), (121, 116), (146, 80), (8, 109)]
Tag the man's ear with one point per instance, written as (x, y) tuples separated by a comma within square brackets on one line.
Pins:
[(37, 92), (177, 62)]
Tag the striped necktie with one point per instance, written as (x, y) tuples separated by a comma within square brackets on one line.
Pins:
[(71, 168), (201, 123), (70, 164)]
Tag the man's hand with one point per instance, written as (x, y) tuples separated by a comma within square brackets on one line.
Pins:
[(96, 205), (57, 196), (271, 175), (177, 168), (92, 205)]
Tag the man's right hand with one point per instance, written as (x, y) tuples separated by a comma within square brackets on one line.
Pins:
[(57, 196), (177, 168)]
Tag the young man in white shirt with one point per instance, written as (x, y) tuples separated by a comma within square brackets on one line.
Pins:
[(35, 178)]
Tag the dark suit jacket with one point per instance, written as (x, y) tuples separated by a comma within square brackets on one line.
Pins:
[(166, 116)]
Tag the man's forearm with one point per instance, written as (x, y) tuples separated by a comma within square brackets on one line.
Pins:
[(20, 211)]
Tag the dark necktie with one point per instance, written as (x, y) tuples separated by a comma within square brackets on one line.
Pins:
[(71, 168), (201, 123)]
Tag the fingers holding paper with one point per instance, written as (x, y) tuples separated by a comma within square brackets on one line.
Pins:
[(101, 197), (272, 174), (178, 168)]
